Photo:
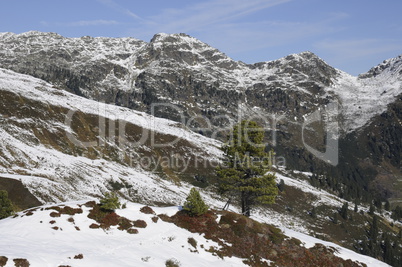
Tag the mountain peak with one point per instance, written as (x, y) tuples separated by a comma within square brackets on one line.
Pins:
[(392, 66), (165, 37)]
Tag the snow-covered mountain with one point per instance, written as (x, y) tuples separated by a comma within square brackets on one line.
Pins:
[(83, 116), (179, 69)]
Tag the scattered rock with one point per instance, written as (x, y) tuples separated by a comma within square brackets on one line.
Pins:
[(147, 210), (132, 231), (79, 257), (55, 214), (140, 224), (94, 226), (3, 261), (21, 263)]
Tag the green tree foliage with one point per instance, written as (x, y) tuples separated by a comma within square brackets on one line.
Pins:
[(6, 207), (344, 211), (281, 185), (397, 213), (335, 219), (246, 166), (110, 202), (313, 213), (194, 204), (373, 232), (372, 209), (387, 206), (389, 254)]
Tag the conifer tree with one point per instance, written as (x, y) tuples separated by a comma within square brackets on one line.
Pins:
[(387, 206), (313, 213), (344, 211), (281, 185), (388, 250), (373, 232), (6, 207), (194, 204), (245, 171), (372, 209), (110, 202), (335, 220)]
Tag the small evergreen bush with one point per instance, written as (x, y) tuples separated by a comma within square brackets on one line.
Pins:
[(6, 207), (110, 202), (194, 204)]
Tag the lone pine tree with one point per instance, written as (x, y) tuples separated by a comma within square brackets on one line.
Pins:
[(245, 171), (194, 204)]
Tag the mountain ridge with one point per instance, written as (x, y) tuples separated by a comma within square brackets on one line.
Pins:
[(207, 91)]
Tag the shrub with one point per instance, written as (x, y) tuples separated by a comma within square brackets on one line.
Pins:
[(54, 214), (94, 226), (172, 263), (6, 207), (132, 231), (21, 262), (109, 220), (110, 202), (3, 261), (192, 242), (194, 204), (140, 224), (79, 257), (147, 210), (124, 224)]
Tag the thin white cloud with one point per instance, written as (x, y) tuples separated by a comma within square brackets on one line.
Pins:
[(120, 9), (357, 55), (98, 22), (201, 16), (266, 34), (357, 48)]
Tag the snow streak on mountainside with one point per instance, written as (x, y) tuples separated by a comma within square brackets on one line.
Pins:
[(47, 150), (369, 94)]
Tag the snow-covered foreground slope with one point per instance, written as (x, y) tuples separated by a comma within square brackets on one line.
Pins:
[(33, 238), (45, 240)]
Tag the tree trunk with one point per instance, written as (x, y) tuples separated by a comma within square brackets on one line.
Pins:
[(245, 205)]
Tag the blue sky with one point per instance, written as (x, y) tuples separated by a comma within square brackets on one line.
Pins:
[(352, 35)]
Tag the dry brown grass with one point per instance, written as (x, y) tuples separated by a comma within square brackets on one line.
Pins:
[(245, 238)]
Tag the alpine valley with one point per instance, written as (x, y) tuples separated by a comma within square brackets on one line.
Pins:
[(80, 117)]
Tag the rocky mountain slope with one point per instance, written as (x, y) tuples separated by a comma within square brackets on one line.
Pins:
[(68, 146), (181, 70)]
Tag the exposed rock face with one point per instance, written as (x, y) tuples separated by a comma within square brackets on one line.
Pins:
[(200, 86)]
